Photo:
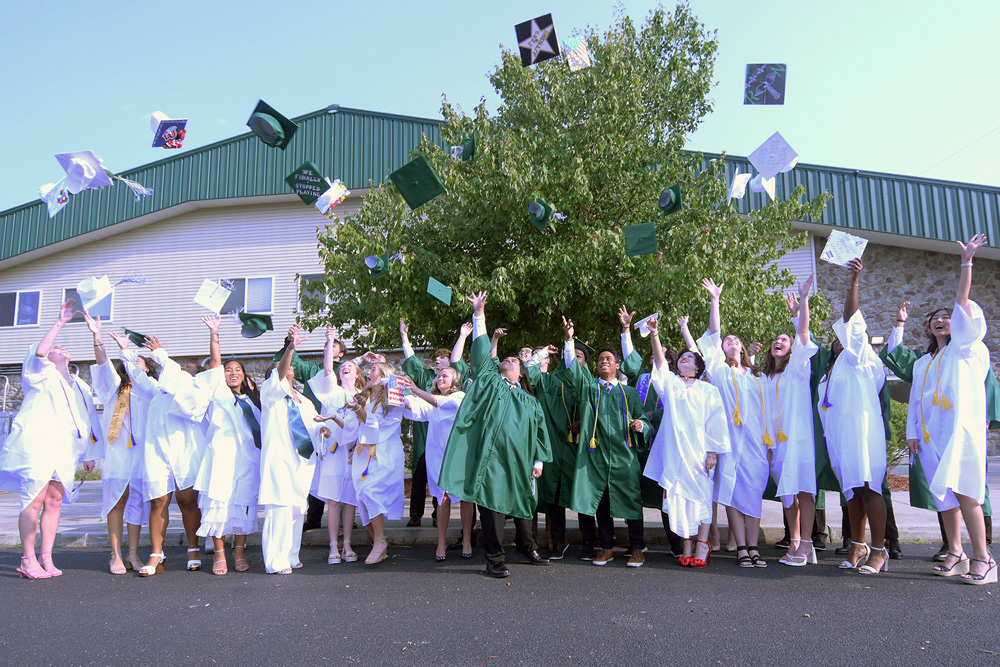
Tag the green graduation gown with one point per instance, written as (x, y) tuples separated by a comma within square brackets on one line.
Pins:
[(612, 465), (498, 435), (560, 410)]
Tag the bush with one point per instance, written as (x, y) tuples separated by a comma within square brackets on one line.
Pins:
[(896, 448)]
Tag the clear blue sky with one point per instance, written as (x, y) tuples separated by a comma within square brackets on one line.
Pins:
[(896, 86)]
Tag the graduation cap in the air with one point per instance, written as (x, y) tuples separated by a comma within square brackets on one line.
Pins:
[(670, 200), (640, 239), (773, 156), (92, 291), (588, 351), (255, 325), (137, 338), (377, 265), (272, 128), (417, 182), (167, 132), (539, 213), (83, 171), (468, 148), (308, 183), (765, 84), (537, 40), (439, 291)]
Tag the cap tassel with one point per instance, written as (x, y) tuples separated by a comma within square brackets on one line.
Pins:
[(736, 417), (781, 436), (569, 437), (945, 403), (826, 404), (333, 448), (128, 445), (593, 444), (767, 439), (937, 401), (927, 435)]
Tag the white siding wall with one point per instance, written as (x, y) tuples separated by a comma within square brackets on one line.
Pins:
[(175, 255), (801, 262)]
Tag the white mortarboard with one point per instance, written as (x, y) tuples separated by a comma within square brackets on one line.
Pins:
[(55, 196), (842, 247), (577, 56), (212, 295), (83, 171), (790, 165), (335, 194), (641, 324), (167, 132), (739, 186), (761, 184), (773, 156), (92, 290)]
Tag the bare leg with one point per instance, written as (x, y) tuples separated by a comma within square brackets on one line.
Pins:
[(444, 514), (703, 548), (874, 505), (187, 502), (975, 523), (792, 518), (857, 515), (240, 553), (159, 517), (134, 531), (51, 510), (27, 527), (468, 513), (737, 526), (116, 524), (348, 516), (713, 529), (953, 531), (379, 543), (333, 512), (219, 565), (807, 512)]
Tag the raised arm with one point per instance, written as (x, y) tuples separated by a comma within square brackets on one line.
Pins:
[(626, 318), (331, 338), (404, 334), (214, 351), (66, 313), (459, 349), (682, 322), (498, 333), (852, 301), (100, 354), (803, 331), (654, 333), (965, 277), (286, 359), (715, 291)]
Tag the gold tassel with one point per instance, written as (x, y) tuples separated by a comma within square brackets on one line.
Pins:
[(945, 403), (333, 448), (593, 443), (569, 437), (936, 400), (822, 408), (736, 417), (782, 437), (767, 439), (927, 435)]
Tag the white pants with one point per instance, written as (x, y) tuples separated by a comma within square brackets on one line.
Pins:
[(281, 537)]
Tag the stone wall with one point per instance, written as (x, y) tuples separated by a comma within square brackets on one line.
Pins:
[(927, 280)]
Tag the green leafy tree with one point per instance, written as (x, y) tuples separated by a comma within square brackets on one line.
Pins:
[(598, 145)]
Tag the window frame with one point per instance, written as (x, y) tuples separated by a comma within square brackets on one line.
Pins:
[(79, 319), (17, 302), (245, 280)]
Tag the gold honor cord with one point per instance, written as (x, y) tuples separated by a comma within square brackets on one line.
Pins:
[(737, 421), (763, 414), (628, 434), (942, 400), (569, 419), (779, 420), (597, 411)]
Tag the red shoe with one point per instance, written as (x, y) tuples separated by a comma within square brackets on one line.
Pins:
[(699, 563), (685, 561)]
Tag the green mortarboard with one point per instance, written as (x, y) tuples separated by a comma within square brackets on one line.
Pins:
[(308, 183), (670, 200), (255, 325), (640, 239), (377, 266), (417, 182), (272, 128), (439, 291), (588, 351), (136, 337), (539, 213), (468, 148)]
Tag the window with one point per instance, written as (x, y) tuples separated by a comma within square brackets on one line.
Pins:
[(19, 309), (250, 295), (311, 287), (102, 308)]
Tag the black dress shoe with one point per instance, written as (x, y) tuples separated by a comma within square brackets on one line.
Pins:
[(845, 549), (588, 553), (558, 551), (497, 570), (414, 522), (895, 553), (534, 557)]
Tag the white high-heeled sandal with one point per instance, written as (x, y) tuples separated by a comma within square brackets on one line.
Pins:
[(868, 569), (150, 570), (847, 565), (194, 564)]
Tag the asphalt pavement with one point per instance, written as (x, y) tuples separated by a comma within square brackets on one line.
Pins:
[(410, 610)]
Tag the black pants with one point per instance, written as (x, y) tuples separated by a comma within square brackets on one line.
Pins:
[(555, 519), (602, 527), (418, 491), (492, 523), (314, 512), (676, 541)]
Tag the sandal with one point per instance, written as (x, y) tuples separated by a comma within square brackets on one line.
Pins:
[(150, 570), (743, 561), (240, 562), (378, 555), (755, 557), (132, 561), (52, 570), (349, 555), (868, 569), (120, 568), (31, 573), (219, 565), (848, 565), (959, 567), (699, 563), (333, 558), (988, 577), (685, 561), (194, 564)]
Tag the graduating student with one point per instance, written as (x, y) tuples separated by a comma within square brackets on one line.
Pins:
[(229, 477), (123, 421), (946, 424), (497, 448), (333, 481), (289, 437), (851, 411), (789, 419), (691, 436), (741, 482), (56, 428), (613, 428)]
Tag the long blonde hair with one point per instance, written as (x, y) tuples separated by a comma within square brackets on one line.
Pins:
[(386, 369)]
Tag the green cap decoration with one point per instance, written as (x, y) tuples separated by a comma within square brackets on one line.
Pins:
[(255, 325), (417, 182), (640, 239), (136, 337), (468, 148), (588, 351), (308, 183), (670, 200), (439, 291), (270, 126), (377, 266), (539, 213)]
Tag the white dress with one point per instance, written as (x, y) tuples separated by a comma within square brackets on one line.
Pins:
[(378, 464), (947, 412), (789, 412), (55, 430), (694, 423), (439, 421), (852, 418), (122, 468), (176, 427), (741, 475), (332, 481), (229, 475)]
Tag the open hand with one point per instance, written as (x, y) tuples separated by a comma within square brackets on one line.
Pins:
[(901, 313), (121, 339), (478, 302), (625, 318), (153, 343), (67, 311), (713, 289), (94, 324), (467, 329), (212, 322), (969, 249), (568, 327)]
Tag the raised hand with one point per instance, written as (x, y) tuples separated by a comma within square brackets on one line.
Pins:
[(710, 287), (153, 343), (806, 287), (466, 329), (552, 349), (93, 324), (293, 334), (682, 322), (625, 318), (331, 334), (653, 325), (499, 332), (901, 313), (792, 302), (66, 312), (406, 382), (478, 302), (404, 328), (568, 328), (121, 339), (969, 249), (212, 322), (856, 266), (754, 349)]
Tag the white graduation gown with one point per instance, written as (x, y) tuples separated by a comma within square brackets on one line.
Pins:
[(953, 449), (378, 464), (439, 422), (229, 475), (694, 423), (122, 467), (741, 475), (52, 433), (788, 407), (852, 420), (285, 476), (332, 481)]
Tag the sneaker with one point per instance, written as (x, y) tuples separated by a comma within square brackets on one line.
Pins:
[(588, 553), (636, 559), (558, 551), (605, 557)]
